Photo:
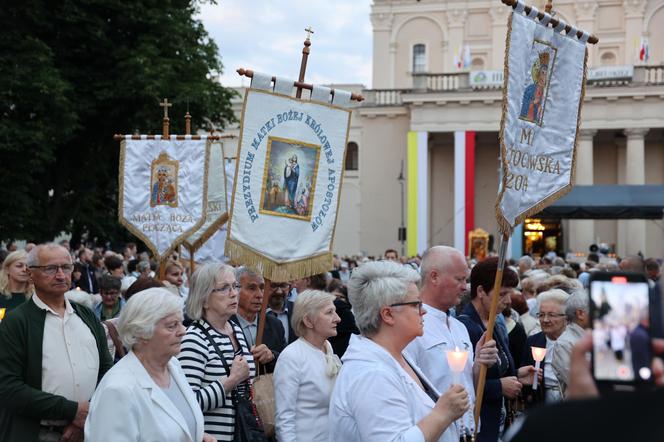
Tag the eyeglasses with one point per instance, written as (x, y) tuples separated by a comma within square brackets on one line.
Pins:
[(53, 269), (226, 288), (417, 304), (550, 315)]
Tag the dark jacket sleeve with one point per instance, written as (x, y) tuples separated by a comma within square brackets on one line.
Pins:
[(17, 396), (273, 337), (493, 390)]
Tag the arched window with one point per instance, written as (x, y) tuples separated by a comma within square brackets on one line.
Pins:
[(352, 156), (608, 59), (477, 64), (419, 58)]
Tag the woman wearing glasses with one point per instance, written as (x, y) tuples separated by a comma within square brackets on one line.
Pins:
[(553, 321), (213, 299), (379, 395)]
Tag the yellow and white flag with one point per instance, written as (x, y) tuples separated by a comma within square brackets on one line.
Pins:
[(163, 189), (544, 85), (288, 181)]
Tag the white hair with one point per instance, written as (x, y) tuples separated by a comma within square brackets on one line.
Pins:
[(375, 285), (308, 303), (201, 284), (578, 300), (557, 296), (527, 260), (33, 256), (141, 313)]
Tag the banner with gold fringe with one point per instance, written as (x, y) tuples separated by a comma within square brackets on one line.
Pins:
[(288, 181), (544, 85), (163, 189)]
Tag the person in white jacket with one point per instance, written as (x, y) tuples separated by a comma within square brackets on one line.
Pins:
[(145, 397), (306, 370), (380, 396)]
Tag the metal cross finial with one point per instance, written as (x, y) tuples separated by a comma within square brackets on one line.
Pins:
[(165, 104), (309, 31)]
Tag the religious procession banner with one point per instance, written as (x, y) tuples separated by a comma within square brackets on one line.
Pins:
[(163, 189), (544, 85), (288, 181), (217, 208)]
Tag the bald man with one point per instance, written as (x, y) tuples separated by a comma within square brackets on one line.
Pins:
[(444, 273)]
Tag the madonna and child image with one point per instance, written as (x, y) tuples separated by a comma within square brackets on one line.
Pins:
[(290, 177)]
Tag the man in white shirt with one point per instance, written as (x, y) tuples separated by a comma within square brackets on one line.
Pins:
[(52, 355), (444, 272)]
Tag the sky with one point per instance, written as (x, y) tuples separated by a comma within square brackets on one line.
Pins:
[(268, 35)]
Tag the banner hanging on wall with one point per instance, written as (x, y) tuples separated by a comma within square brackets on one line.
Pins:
[(163, 189), (544, 85), (288, 181)]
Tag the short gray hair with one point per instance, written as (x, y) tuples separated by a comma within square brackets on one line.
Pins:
[(578, 300), (308, 303), (201, 285), (243, 270), (527, 260), (142, 266), (554, 295), (375, 285), (141, 313), (33, 256)]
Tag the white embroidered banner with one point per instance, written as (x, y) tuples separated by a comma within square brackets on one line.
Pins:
[(217, 208), (163, 189), (542, 98), (290, 166)]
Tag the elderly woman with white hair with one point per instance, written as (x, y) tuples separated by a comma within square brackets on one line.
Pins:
[(306, 370), (215, 356), (379, 395), (553, 321), (145, 397)]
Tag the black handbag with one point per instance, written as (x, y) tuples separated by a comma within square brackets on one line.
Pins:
[(248, 426)]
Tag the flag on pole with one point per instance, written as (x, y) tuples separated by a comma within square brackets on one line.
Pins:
[(457, 58), (644, 50), (467, 61), (288, 180), (543, 93)]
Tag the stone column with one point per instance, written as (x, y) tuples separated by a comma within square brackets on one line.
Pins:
[(582, 231), (633, 232), (585, 19), (499, 16)]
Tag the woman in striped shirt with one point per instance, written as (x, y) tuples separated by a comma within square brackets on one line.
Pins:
[(213, 299)]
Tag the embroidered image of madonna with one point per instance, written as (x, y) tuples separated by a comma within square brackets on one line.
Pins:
[(537, 88)]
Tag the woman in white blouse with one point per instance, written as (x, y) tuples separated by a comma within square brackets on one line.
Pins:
[(379, 395), (306, 370)]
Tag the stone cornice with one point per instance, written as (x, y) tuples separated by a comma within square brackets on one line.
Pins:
[(585, 11), (635, 8)]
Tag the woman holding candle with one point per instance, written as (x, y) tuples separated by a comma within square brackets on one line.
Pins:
[(379, 395), (15, 285), (551, 314)]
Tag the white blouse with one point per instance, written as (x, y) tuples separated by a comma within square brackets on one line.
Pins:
[(302, 390)]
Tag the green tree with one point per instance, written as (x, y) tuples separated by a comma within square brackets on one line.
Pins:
[(72, 74)]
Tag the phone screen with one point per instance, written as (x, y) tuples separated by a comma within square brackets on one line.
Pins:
[(621, 336)]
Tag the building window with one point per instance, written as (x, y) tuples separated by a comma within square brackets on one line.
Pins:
[(477, 64), (608, 59), (419, 58), (352, 156)]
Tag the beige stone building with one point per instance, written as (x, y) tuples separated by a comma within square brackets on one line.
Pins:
[(418, 89)]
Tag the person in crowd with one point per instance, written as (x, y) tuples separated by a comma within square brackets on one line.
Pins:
[(111, 301), (516, 333), (251, 298), (88, 281), (44, 395), (141, 284), (145, 396), (528, 321), (15, 285), (578, 319), (444, 272), (114, 266), (281, 308), (77, 276), (653, 269), (391, 255), (346, 326), (379, 394), (131, 274), (502, 380), (212, 301), (526, 264), (98, 265), (306, 370), (173, 278), (553, 320)]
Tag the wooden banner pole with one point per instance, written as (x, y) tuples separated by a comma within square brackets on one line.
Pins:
[(554, 21), (166, 122), (305, 58), (119, 137), (502, 252), (263, 312)]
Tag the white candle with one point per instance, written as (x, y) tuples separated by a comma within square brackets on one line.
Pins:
[(456, 359), (538, 355)]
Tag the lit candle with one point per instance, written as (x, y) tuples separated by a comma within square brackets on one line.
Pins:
[(2, 313), (456, 359), (538, 355)]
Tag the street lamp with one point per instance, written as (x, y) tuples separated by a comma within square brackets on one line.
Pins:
[(402, 228)]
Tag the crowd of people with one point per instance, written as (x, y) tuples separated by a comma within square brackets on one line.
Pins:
[(106, 346)]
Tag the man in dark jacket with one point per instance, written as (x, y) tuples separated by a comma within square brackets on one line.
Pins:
[(52, 355)]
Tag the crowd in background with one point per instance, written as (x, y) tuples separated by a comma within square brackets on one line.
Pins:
[(343, 347)]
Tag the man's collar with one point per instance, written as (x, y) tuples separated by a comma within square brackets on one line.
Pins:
[(244, 322), (42, 305), (433, 311)]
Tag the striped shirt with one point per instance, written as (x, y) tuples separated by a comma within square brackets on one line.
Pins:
[(205, 371)]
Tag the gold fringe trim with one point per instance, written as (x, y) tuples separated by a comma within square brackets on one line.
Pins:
[(504, 225), (211, 230), (275, 271)]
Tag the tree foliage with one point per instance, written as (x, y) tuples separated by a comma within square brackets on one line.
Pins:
[(72, 74)]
